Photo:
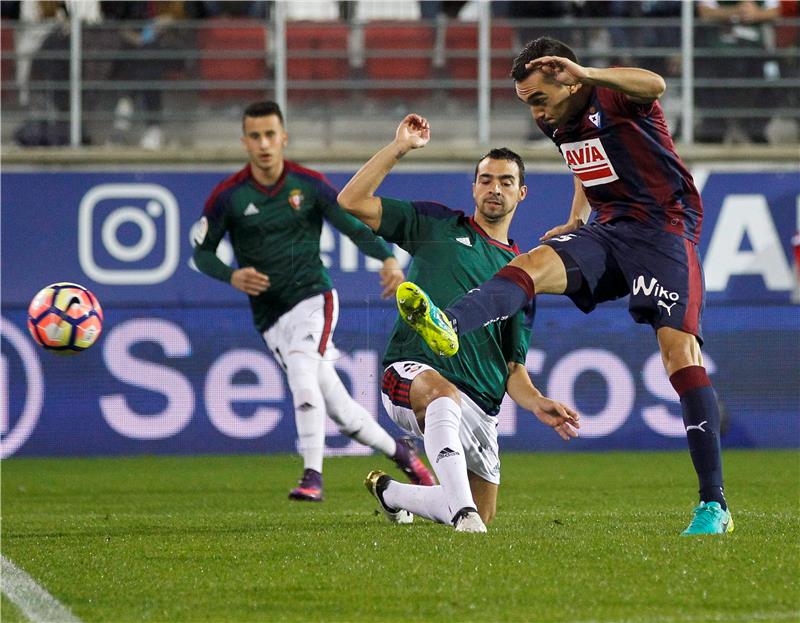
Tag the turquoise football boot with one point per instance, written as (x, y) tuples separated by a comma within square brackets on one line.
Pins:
[(709, 518), (432, 325)]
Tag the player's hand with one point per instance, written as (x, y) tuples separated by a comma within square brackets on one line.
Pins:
[(413, 132), (250, 281), (391, 277), (566, 228), (558, 416), (560, 69)]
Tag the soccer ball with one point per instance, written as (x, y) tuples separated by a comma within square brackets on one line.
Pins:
[(65, 318)]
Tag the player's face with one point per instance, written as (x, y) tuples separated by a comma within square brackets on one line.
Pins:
[(496, 189), (549, 100), (264, 139)]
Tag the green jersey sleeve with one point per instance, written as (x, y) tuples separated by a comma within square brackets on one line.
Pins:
[(517, 335), (212, 228), (363, 237), (408, 223)]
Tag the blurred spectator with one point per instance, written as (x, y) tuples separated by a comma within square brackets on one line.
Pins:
[(9, 9), (233, 8), (387, 9), (152, 29), (46, 51), (37, 18), (739, 30), (595, 40), (541, 9), (321, 10), (431, 9), (669, 65), (662, 36)]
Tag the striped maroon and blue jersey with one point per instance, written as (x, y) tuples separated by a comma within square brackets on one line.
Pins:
[(623, 154)]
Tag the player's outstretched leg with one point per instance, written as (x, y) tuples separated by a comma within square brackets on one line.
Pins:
[(502, 296), (376, 483), (420, 313), (355, 421), (709, 518)]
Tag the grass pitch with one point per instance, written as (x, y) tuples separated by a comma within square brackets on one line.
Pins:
[(578, 538)]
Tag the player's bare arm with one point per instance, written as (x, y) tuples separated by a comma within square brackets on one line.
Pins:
[(558, 416), (357, 197), (250, 281), (640, 85), (391, 276), (578, 214)]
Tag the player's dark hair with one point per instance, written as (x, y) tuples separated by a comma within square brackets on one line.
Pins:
[(543, 46), (504, 153), (262, 109)]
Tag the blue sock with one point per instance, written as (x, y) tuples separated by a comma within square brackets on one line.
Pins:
[(701, 418), (502, 296)]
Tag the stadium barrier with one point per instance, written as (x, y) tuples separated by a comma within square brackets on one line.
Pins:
[(180, 370), (76, 81)]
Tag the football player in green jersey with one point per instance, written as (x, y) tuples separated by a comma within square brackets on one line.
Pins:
[(273, 211), (452, 403)]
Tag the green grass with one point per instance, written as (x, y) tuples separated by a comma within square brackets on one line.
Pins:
[(578, 538)]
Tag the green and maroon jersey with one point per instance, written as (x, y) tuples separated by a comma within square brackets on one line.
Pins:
[(276, 230), (452, 255)]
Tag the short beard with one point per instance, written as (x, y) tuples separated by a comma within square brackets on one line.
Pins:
[(494, 218)]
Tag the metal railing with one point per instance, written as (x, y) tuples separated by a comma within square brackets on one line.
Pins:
[(206, 68)]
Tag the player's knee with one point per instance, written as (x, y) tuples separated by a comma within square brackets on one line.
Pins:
[(545, 267), (347, 421), (306, 398), (678, 350), (429, 387)]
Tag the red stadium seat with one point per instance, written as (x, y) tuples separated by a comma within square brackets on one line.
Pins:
[(398, 50), (227, 35), (317, 51), (7, 68), (463, 37)]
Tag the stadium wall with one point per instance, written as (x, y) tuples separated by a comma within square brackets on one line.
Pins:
[(180, 370)]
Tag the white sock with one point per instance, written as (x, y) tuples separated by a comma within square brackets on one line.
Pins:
[(444, 450), (352, 419), (428, 502), (309, 408)]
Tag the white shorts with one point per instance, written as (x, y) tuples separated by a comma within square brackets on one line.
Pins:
[(307, 328), (478, 432)]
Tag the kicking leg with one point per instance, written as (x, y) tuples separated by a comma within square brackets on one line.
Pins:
[(539, 271)]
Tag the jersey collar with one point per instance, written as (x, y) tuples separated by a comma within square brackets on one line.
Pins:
[(511, 246), (269, 191)]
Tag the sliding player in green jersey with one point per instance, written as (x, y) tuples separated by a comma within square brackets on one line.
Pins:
[(452, 403), (273, 210)]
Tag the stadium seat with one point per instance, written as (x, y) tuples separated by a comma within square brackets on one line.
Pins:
[(233, 36), (401, 51), (463, 38), (317, 51), (7, 68)]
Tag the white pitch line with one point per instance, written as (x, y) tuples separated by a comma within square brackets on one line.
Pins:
[(36, 604)]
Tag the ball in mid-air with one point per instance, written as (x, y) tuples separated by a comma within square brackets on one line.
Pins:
[(65, 318)]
